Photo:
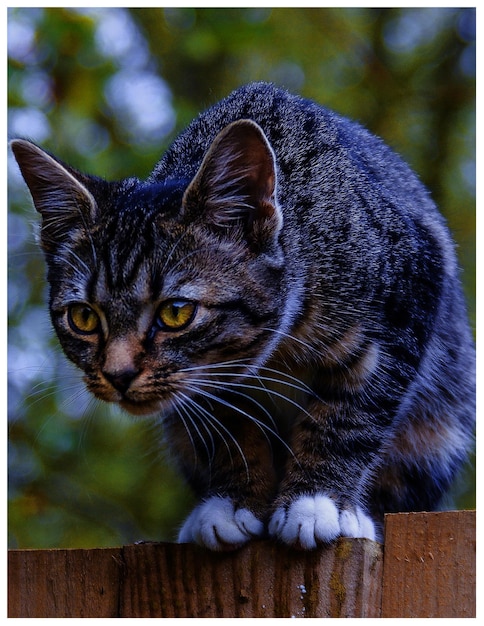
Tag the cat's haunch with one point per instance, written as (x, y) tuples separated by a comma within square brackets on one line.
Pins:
[(284, 296)]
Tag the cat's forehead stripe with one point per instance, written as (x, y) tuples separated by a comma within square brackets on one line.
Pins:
[(138, 288)]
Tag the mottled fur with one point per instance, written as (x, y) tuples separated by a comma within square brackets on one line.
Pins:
[(324, 369)]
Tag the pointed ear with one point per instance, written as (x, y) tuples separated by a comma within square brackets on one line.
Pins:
[(236, 185), (58, 192)]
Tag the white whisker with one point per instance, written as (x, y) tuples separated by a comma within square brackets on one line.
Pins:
[(229, 385), (311, 348), (297, 385), (217, 425), (264, 428), (181, 406)]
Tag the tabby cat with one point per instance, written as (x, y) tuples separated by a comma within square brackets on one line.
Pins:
[(284, 295)]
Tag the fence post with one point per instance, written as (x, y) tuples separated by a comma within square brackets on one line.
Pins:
[(427, 569), (430, 565)]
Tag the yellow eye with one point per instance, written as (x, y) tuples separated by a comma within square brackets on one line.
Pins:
[(82, 319), (176, 314)]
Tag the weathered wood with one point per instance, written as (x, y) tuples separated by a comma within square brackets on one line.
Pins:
[(430, 565), (171, 580), (261, 580), (428, 569), (64, 583)]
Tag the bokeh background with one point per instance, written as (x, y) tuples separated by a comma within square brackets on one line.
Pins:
[(107, 90)]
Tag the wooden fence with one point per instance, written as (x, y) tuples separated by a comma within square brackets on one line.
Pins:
[(425, 569)]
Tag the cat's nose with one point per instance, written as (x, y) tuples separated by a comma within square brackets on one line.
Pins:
[(121, 380)]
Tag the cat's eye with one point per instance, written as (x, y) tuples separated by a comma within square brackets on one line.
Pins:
[(83, 319), (176, 314)]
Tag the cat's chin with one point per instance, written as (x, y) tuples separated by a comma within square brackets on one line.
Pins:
[(140, 409)]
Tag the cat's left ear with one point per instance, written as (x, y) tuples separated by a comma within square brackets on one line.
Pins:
[(235, 187)]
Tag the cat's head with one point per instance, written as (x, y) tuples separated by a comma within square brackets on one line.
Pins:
[(152, 285)]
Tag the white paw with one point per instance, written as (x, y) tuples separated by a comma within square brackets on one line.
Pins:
[(356, 523), (216, 525), (311, 520)]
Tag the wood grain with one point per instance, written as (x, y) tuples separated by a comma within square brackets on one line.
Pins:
[(261, 580), (430, 565), (64, 583), (427, 569)]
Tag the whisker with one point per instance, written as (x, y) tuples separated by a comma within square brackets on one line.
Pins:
[(297, 385), (216, 425), (179, 407), (172, 252), (225, 386), (253, 372), (272, 392), (221, 364), (306, 345), (265, 428), (199, 412)]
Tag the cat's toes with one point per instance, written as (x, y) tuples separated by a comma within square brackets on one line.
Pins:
[(311, 520), (307, 521), (356, 523), (217, 525)]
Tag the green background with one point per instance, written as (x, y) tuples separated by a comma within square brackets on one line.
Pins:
[(107, 90)]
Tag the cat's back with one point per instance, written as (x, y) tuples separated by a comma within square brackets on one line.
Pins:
[(335, 179), (314, 146)]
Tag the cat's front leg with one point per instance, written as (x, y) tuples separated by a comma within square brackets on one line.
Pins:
[(310, 520), (322, 495), (234, 479)]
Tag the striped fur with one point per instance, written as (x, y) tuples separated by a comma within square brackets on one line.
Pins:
[(315, 367)]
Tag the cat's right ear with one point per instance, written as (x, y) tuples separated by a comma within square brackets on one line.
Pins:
[(58, 192)]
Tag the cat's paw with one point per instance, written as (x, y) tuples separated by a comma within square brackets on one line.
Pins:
[(216, 524), (312, 520)]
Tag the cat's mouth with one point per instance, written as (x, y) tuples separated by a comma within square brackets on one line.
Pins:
[(140, 408), (138, 404)]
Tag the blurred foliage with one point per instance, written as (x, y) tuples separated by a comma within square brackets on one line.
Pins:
[(107, 90)]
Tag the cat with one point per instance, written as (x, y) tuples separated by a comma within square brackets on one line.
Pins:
[(283, 293)]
